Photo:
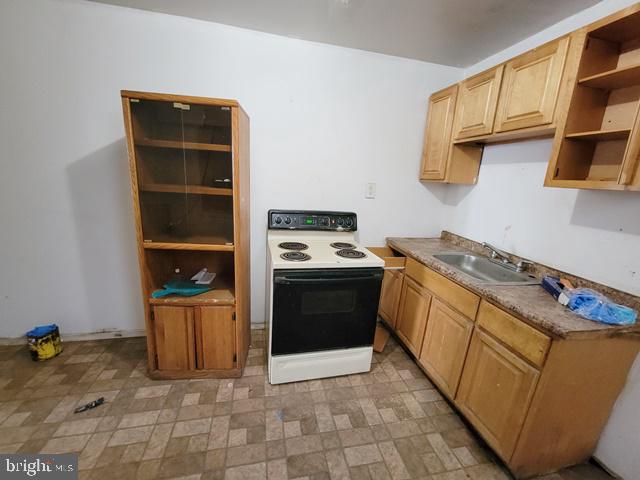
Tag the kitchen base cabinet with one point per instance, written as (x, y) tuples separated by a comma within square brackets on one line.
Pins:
[(539, 400), (445, 346), (577, 389), (390, 295), (495, 391), (412, 315)]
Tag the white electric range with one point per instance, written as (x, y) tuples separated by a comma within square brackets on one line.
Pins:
[(323, 290)]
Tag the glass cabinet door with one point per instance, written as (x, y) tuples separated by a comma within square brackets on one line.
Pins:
[(184, 163)]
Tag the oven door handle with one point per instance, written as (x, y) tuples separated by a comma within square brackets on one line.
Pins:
[(293, 281)]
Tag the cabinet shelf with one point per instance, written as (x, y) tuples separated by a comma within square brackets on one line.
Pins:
[(211, 247), (192, 189), (217, 296), (612, 79), (600, 135), (212, 147)]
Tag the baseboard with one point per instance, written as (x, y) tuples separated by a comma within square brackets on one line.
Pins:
[(80, 337)]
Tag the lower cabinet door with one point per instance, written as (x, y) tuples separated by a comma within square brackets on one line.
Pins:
[(390, 296), (495, 392), (446, 341), (412, 315), (174, 335), (215, 337)]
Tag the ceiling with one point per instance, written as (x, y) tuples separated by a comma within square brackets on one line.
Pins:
[(450, 32)]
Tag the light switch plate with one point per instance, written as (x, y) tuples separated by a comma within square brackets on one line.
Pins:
[(370, 190)]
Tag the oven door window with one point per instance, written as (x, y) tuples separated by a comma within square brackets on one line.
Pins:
[(324, 309)]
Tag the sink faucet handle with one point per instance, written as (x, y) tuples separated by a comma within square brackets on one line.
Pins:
[(496, 252)]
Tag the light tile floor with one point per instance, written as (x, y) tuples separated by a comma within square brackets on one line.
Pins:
[(390, 423)]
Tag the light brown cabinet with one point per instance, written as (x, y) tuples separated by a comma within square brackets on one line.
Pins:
[(508, 378), (597, 142), (215, 337), (495, 391), (445, 346), (189, 167), (174, 338), (194, 338), (437, 135), (390, 295), (412, 314), (530, 87), (476, 105)]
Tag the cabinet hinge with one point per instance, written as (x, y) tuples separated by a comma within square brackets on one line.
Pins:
[(134, 100), (181, 106), (233, 316)]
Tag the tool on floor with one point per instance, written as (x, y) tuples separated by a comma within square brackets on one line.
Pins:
[(44, 342), (90, 405)]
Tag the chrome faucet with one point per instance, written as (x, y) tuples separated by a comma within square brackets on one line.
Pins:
[(496, 253), (503, 258)]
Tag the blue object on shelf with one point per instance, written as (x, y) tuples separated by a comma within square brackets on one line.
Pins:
[(181, 288), (594, 306)]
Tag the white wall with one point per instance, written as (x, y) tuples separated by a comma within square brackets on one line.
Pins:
[(324, 121), (593, 234)]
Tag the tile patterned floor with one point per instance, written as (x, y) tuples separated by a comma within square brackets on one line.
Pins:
[(387, 424)]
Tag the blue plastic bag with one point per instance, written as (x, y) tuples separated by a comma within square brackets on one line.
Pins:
[(593, 305)]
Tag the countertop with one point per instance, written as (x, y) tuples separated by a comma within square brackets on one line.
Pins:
[(531, 303)]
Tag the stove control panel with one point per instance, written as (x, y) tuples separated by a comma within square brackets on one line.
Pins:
[(312, 220)]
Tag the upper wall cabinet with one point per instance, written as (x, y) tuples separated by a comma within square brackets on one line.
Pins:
[(437, 135), (530, 87), (476, 106), (597, 143)]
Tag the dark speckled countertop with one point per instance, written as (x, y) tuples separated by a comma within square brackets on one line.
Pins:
[(531, 303)]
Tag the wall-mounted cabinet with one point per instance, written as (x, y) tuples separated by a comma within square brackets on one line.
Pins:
[(597, 145), (530, 87), (584, 88), (477, 103), (189, 165), (515, 100), (437, 135)]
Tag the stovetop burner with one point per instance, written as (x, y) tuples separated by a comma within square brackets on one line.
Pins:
[(293, 246), (350, 253), (296, 256), (342, 245)]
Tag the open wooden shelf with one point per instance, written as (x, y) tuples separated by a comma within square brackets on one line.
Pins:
[(212, 147), (192, 189), (211, 247), (600, 135), (616, 78), (218, 296)]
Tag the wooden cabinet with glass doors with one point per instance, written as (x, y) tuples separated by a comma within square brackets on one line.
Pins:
[(189, 164)]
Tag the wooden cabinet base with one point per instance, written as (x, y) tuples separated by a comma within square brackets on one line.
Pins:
[(187, 374), (540, 402)]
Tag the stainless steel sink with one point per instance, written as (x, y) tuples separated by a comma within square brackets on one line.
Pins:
[(486, 271)]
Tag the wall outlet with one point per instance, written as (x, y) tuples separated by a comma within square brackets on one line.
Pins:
[(370, 190)]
